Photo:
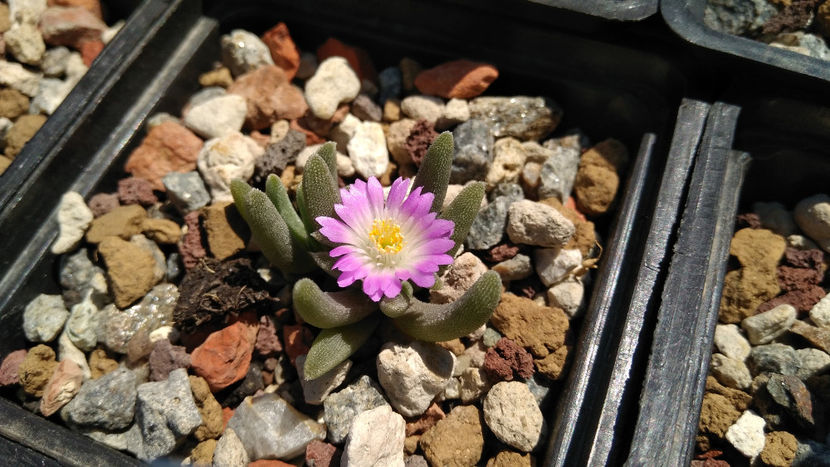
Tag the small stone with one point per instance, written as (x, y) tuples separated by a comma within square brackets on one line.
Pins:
[(811, 362), (209, 409), (64, 383), (408, 381), (122, 222), (224, 159), (50, 93), (230, 451), (558, 171), (717, 415), (25, 43), (744, 290), (82, 325), (423, 108), (409, 70), (506, 361), (455, 111), (813, 217), (396, 138), (357, 58), (343, 406), (774, 216), (390, 84), (166, 412), (297, 340), (224, 357), (392, 110), (458, 278), (70, 26), (790, 393), (166, 357), (321, 454), (779, 449), (168, 147), (747, 434), (191, 247), (455, 440), (130, 269), (153, 311), (567, 295), (315, 391), (270, 428), (227, 233), (522, 117), (102, 203), (511, 412), (367, 150), (510, 459), (456, 79), (308, 65), (278, 154), (9, 369), (420, 138), (376, 438), (533, 223), (758, 248), (18, 78), (21, 132), (44, 317), (36, 369), (100, 364), (219, 77), (12, 103), (729, 372), (773, 358), (218, 116), (161, 231), (107, 403), (136, 190), (333, 82), (539, 329), (764, 327), (598, 177), (365, 109), (554, 265), (202, 454), (515, 268), (270, 96), (509, 158), (730, 342), (738, 18), (243, 52), (817, 337), (487, 228), (267, 340), (283, 51)]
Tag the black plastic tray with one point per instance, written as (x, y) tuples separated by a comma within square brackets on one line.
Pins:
[(86, 94), (606, 90), (685, 17), (617, 10)]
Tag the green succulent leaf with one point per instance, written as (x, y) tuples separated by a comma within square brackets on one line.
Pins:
[(434, 174), (330, 309), (463, 211), (334, 345), (279, 196), (319, 190), (328, 151), (240, 189), (437, 323), (397, 306)]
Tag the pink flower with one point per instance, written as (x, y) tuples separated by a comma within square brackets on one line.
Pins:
[(384, 242)]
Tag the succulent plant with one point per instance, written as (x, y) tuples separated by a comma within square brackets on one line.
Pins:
[(393, 245)]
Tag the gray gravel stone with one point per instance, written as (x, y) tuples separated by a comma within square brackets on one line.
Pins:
[(79, 275), (515, 268), (54, 61), (364, 108), (773, 358), (555, 264), (186, 191), (152, 312), (341, 407), (243, 52), (558, 172), (44, 317), (316, 390), (737, 16), (278, 155), (82, 325), (532, 223), (487, 228), (812, 362), (730, 372), (522, 117), (511, 412), (473, 142), (166, 412), (390, 83), (107, 402)]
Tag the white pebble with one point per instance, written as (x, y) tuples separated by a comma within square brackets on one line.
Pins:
[(764, 327), (412, 375), (74, 217), (511, 412), (429, 108), (224, 159), (333, 82), (367, 150), (554, 264), (747, 434), (217, 116), (813, 216), (375, 438), (730, 342)]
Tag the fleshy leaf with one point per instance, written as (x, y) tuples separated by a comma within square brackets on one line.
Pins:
[(279, 196), (463, 211), (434, 174), (330, 309), (436, 323), (239, 189), (328, 151), (334, 345), (318, 189), (399, 305)]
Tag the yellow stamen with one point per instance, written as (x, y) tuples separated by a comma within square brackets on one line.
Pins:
[(387, 236)]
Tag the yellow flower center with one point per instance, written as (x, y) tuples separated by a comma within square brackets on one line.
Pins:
[(387, 236)]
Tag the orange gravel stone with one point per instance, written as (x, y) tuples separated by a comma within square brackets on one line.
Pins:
[(168, 147), (283, 50), (224, 357), (462, 79)]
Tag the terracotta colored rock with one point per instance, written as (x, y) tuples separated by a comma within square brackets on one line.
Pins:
[(817, 337), (227, 413), (598, 177), (269, 95), (267, 341), (283, 50), (463, 79), (426, 421), (191, 247), (166, 357), (21, 132), (36, 369), (9, 368), (717, 415), (790, 278), (420, 138), (455, 440), (321, 454), (130, 270), (811, 259), (224, 357), (538, 328), (168, 147), (502, 252), (455, 346), (90, 50), (269, 463), (507, 360), (94, 6), (102, 203), (212, 422), (100, 363), (122, 222), (227, 233), (758, 248), (358, 58), (70, 26), (298, 339), (64, 383), (139, 347), (163, 231), (802, 299), (136, 190)]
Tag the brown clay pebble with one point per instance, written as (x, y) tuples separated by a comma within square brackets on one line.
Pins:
[(123, 222), (509, 459), (191, 247), (130, 270), (779, 449), (462, 79), (455, 440), (36, 369), (321, 454), (426, 421), (224, 357), (64, 383), (202, 454), (21, 132), (220, 77), (166, 357), (100, 363), (538, 328), (227, 233), (267, 340), (598, 177), (13, 103), (283, 50), (717, 415), (168, 147), (269, 95), (212, 422)]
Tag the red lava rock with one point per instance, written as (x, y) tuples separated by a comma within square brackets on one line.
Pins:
[(94, 6), (165, 358), (270, 96), (269, 463), (358, 58), (224, 357), (283, 50), (321, 454), (311, 138), (709, 454), (790, 278), (191, 247), (267, 341), (102, 203), (502, 252), (463, 79), (426, 421), (507, 360), (709, 463), (812, 258), (298, 339), (9, 367), (748, 219), (227, 413), (419, 139), (70, 26), (136, 190), (168, 147), (90, 50), (802, 299)]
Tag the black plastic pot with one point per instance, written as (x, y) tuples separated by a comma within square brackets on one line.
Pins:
[(606, 90), (89, 91), (617, 10)]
